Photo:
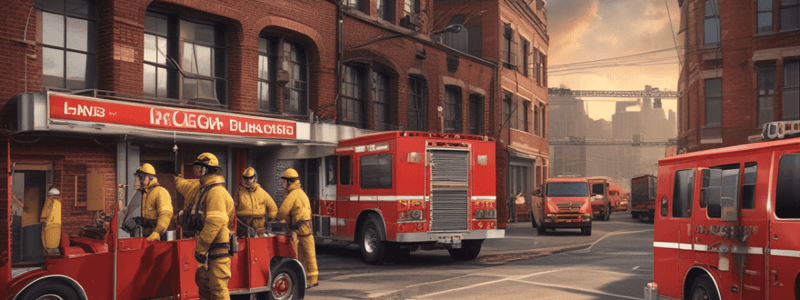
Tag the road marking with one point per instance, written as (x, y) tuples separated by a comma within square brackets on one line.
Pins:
[(611, 234), (490, 282), (578, 289), (636, 267)]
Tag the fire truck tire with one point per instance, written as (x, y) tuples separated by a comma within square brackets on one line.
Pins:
[(285, 285), (607, 215), (469, 250), (586, 230), (541, 230), (703, 288), (634, 215), (372, 246), (49, 290)]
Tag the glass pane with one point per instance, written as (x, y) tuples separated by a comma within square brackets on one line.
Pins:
[(791, 104), (149, 78), (788, 2), (52, 29), (766, 78), (263, 67), (76, 70), (150, 48), (188, 60), (50, 5), (712, 8), (765, 110), (78, 32), (80, 8), (710, 31), (764, 4), (204, 34), (787, 195), (52, 67), (262, 45), (205, 89), (203, 60), (713, 112), (189, 88), (162, 82), (765, 22), (789, 18), (713, 88), (683, 191), (162, 51), (792, 74)]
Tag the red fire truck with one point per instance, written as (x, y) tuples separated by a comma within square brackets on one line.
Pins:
[(102, 266), (396, 192), (728, 221)]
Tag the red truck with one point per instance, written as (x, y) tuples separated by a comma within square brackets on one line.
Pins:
[(643, 197), (564, 204), (602, 196)]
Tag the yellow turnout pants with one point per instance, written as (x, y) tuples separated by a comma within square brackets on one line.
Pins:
[(212, 284)]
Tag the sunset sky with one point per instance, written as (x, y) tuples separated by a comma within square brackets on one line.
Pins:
[(590, 30)]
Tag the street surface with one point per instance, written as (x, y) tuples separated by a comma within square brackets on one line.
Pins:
[(615, 262)]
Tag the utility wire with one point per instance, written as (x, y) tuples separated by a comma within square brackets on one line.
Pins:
[(674, 39)]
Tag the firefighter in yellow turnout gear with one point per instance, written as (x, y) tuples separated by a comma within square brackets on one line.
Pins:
[(51, 223), (254, 205), (213, 241), (156, 203), (296, 210)]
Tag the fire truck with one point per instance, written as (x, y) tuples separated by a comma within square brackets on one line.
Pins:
[(564, 204), (396, 192), (643, 197), (99, 265), (727, 221), (603, 195)]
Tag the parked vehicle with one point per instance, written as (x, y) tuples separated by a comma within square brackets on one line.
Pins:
[(624, 202), (643, 197), (602, 196), (728, 219), (565, 204), (396, 192)]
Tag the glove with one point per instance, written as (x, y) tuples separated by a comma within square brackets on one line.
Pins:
[(200, 258), (153, 236)]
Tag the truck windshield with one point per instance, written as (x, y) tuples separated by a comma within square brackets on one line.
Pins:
[(568, 189)]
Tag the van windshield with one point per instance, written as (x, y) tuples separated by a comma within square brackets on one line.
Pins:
[(568, 189)]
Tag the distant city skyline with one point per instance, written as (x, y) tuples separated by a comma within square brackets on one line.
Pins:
[(592, 30)]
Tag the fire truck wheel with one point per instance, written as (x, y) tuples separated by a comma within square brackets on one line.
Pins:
[(586, 230), (469, 250), (541, 230), (49, 291), (370, 243), (634, 215), (703, 289), (607, 215), (284, 285)]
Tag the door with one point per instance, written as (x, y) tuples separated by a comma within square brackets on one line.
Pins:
[(33, 186), (682, 200), (784, 256)]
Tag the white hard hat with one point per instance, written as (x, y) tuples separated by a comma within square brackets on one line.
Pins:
[(53, 192)]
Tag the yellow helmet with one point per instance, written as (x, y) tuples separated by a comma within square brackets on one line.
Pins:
[(146, 168), (249, 172), (290, 174), (207, 160)]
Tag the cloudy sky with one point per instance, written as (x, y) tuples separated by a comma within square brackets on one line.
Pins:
[(592, 30)]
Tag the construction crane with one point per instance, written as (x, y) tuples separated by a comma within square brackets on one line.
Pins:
[(582, 141), (652, 93)]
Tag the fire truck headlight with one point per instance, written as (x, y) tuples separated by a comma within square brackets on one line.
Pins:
[(479, 214), (416, 214)]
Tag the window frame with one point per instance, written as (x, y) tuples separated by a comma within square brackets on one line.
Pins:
[(790, 88), (385, 10), (767, 12), (687, 203), (796, 8), (297, 50), (270, 55), (711, 13), (382, 121), (452, 109), (352, 103), (417, 95), (345, 164), (170, 91), (90, 65), (377, 173), (765, 94)]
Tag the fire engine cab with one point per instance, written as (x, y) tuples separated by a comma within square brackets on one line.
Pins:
[(727, 222), (395, 192)]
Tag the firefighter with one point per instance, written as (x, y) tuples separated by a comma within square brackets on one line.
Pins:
[(255, 205), (156, 203), (51, 223), (296, 210), (213, 242)]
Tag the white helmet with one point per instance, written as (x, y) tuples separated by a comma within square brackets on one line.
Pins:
[(53, 192)]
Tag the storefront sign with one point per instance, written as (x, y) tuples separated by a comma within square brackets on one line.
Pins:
[(101, 111)]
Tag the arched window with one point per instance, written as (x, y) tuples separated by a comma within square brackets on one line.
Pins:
[(417, 103), (282, 75)]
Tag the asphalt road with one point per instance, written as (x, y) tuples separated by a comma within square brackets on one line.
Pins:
[(615, 262)]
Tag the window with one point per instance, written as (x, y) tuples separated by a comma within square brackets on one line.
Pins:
[(452, 109), (507, 108), (787, 191), (267, 59), (764, 22), (713, 102), (749, 185), (68, 44), (720, 183), (791, 93), (711, 23), (295, 94), (386, 10), (202, 62), (381, 95), (157, 70), (355, 4), (509, 48), (474, 38), (376, 171), (345, 170), (330, 170), (524, 67), (766, 92), (410, 14), (476, 114), (682, 194), (536, 66), (790, 13), (416, 104), (536, 120), (353, 96), (523, 122)]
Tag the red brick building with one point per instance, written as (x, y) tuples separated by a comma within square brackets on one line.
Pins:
[(739, 70), (92, 89)]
